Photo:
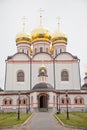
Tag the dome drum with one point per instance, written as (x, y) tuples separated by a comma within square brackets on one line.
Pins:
[(41, 36), (23, 40), (59, 40)]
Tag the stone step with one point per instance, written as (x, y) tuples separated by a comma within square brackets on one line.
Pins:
[(43, 109)]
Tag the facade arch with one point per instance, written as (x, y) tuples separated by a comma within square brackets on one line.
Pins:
[(78, 100), (64, 101), (7, 101)]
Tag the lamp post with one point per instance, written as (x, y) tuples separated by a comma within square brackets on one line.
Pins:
[(28, 104), (67, 111), (18, 105), (30, 72), (59, 102), (54, 73)]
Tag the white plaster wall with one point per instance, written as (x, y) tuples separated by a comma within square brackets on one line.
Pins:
[(66, 62), (50, 101), (64, 56), (35, 101), (19, 56), (11, 77), (74, 79)]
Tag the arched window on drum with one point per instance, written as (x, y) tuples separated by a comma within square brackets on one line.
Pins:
[(42, 73)]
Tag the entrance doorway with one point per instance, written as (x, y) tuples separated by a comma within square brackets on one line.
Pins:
[(43, 102)]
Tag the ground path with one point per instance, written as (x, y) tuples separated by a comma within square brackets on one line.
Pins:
[(42, 121)]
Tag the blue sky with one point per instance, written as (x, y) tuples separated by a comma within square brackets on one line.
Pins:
[(73, 15)]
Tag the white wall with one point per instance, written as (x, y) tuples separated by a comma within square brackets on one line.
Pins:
[(11, 74), (73, 69)]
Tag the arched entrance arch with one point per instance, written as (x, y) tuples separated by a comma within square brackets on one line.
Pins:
[(43, 102)]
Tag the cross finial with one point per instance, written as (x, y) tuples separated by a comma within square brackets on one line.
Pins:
[(58, 23), (24, 22), (40, 10)]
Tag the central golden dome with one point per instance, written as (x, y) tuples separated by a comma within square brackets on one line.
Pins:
[(40, 33)]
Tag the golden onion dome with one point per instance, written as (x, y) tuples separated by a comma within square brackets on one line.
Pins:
[(86, 73), (43, 67), (23, 37), (40, 33), (59, 37)]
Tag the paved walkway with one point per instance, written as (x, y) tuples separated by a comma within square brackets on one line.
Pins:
[(42, 121)]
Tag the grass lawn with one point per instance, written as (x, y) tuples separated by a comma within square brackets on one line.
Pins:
[(10, 119), (77, 119)]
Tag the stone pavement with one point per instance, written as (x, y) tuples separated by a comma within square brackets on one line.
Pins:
[(42, 121)]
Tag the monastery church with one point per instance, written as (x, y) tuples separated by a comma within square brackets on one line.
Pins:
[(42, 74)]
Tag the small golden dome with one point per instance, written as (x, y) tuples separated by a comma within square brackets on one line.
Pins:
[(86, 73), (58, 37), (23, 37), (43, 67), (40, 33)]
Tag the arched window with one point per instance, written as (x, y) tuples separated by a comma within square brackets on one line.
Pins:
[(55, 52), (10, 101), (35, 50), (7, 101), (41, 49), (24, 101), (23, 50), (62, 101), (47, 50), (20, 76), (78, 101), (64, 75), (60, 50), (27, 52), (68, 101), (81, 101)]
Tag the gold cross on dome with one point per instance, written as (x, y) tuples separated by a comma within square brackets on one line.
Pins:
[(58, 18), (24, 22), (40, 10)]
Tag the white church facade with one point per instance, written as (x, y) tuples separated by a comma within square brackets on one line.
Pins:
[(42, 75)]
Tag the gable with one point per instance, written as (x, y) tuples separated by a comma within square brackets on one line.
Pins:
[(42, 56), (65, 56), (20, 56)]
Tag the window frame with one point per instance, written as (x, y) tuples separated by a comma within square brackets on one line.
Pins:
[(64, 75), (20, 76)]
